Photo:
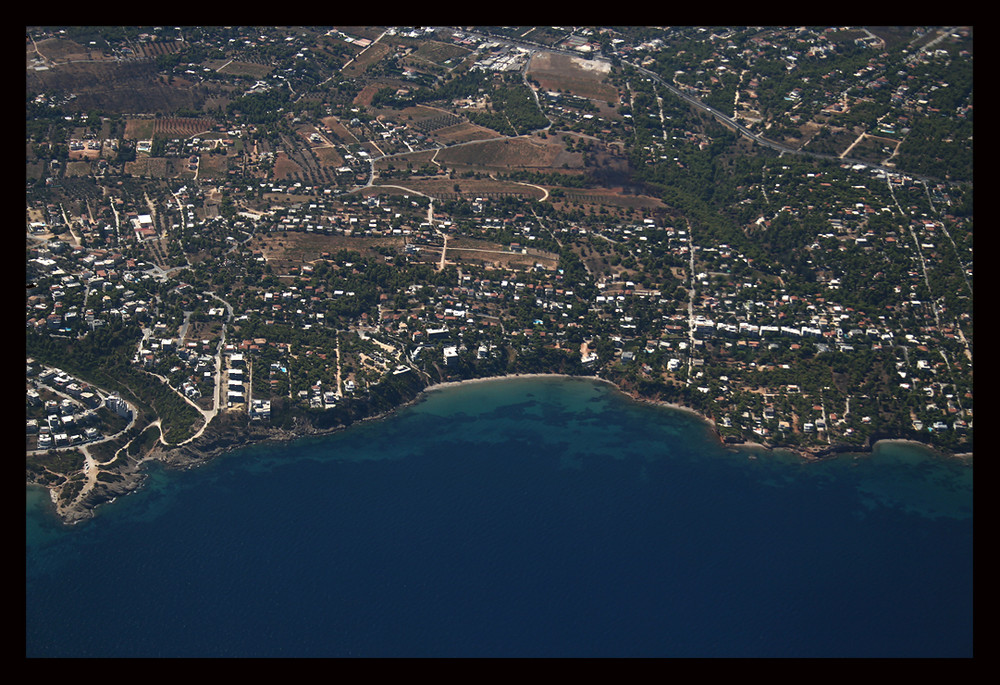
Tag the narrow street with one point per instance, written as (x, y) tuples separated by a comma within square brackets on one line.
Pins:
[(444, 236), (691, 290)]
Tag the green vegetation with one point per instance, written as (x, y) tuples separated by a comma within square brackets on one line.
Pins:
[(514, 111)]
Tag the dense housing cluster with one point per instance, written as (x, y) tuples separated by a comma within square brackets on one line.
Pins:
[(306, 226)]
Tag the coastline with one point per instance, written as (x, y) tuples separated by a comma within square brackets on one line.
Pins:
[(191, 456), (964, 456), (807, 454)]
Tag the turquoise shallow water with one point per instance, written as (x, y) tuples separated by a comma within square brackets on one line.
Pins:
[(524, 517)]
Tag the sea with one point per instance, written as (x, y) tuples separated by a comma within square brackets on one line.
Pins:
[(523, 517)]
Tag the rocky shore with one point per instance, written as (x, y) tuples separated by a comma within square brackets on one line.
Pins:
[(220, 439)]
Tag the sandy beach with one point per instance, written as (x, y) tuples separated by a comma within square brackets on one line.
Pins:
[(487, 379), (904, 441)]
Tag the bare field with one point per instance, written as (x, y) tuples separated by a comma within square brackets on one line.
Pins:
[(213, 167), (367, 93), (284, 254), (108, 85), (202, 330), (499, 260), (369, 32), (78, 168), (339, 130), (414, 158), (328, 156), (366, 58), (438, 52), (87, 154), (181, 127), (463, 133), (306, 248), (576, 75), (463, 250), (162, 47), (154, 167), (420, 112), (875, 148), (613, 197), (249, 69), (445, 187), (63, 50), (159, 167), (139, 129), (508, 153), (34, 170), (284, 167)]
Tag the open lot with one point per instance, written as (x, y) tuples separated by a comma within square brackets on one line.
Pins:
[(284, 167), (517, 153), (248, 69), (366, 58), (283, 253), (159, 167), (444, 187), (586, 78)]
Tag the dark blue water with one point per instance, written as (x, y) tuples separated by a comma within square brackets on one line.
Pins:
[(516, 518)]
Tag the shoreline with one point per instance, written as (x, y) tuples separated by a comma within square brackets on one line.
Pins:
[(807, 454), (190, 456)]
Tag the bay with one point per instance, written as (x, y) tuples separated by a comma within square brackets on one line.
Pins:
[(517, 517)]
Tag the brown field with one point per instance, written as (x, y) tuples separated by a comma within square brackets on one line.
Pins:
[(284, 253), (523, 153), (180, 127), (610, 197), (139, 129), (576, 75), (162, 47), (498, 260), (159, 167), (270, 199), (371, 148), (249, 69), (836, 142), (416, 115), (415, 158), (438, 53), (214, 64), (63, 50), (155, 167), (364, 59), (128, 87), (468, 188), (874, 148), (470, 250), (328, 156), (305, 248), (84, 154), (213, 167), (202, 330), (369, 32), (463, 133), (77, 168), (340, 131), (545, 35), (364, 98), (217, 102), (284, 167), (34, 170)]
